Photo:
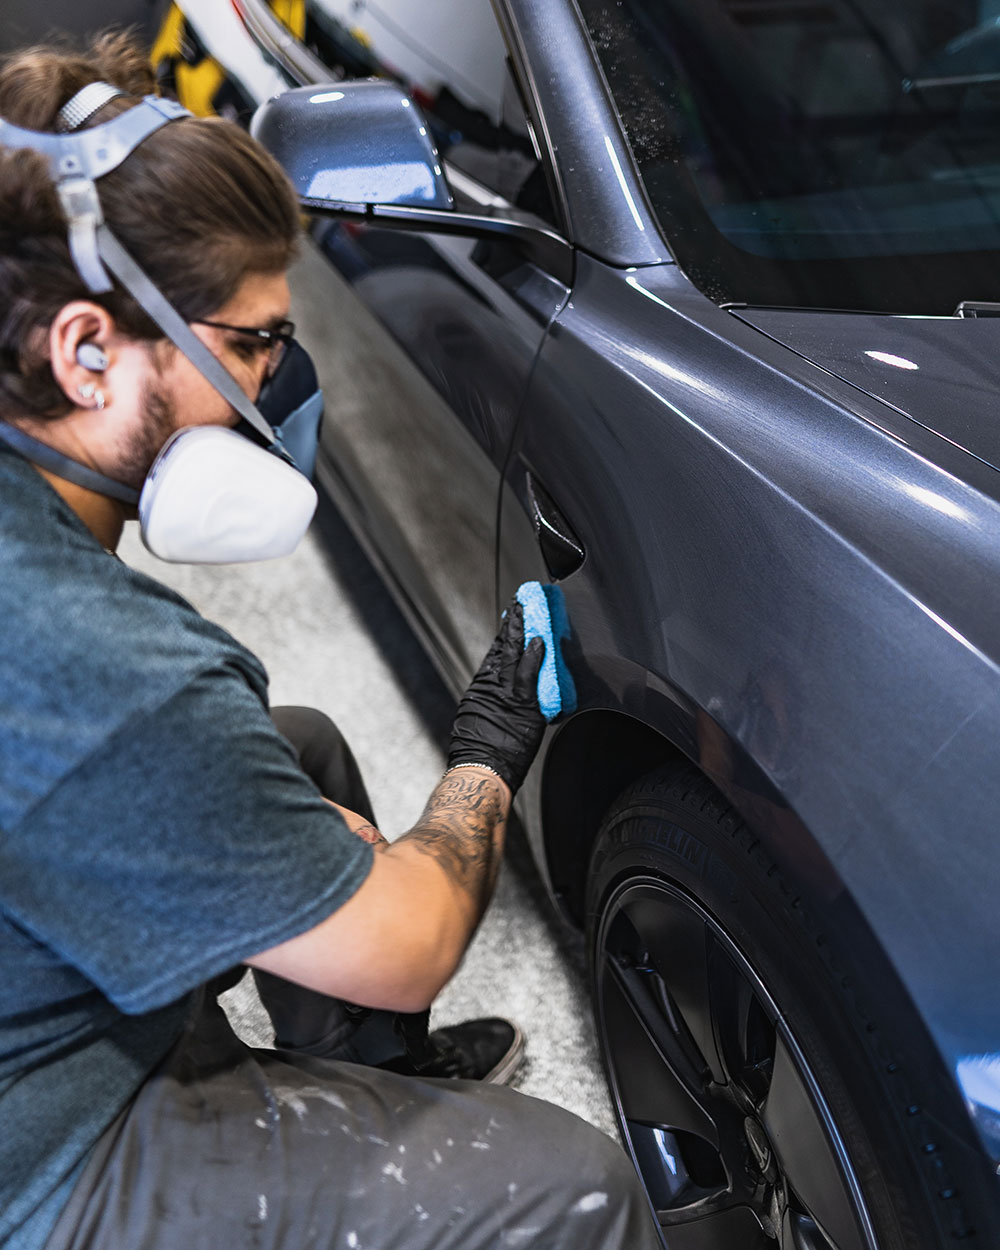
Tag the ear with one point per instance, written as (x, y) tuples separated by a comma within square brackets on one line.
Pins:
[(81, 348)]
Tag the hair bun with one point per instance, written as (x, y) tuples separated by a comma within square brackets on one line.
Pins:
[(36, 82), (124, 63)]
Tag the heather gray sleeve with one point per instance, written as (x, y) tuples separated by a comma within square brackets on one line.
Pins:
[(190, 841)]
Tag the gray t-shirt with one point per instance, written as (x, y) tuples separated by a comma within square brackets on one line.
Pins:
[(155, 830)]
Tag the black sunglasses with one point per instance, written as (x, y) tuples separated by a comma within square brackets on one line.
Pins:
[(276, 341)]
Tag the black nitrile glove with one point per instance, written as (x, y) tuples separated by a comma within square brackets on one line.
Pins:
[(498, 722)]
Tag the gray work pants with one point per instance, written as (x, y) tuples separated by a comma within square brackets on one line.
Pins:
[(227, 1147)]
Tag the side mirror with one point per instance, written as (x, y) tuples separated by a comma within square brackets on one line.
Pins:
[(358, 143), (362, 151)]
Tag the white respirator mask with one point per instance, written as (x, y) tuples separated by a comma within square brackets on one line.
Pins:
[(213, 495)]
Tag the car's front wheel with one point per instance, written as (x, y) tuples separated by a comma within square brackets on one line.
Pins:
[(743, 1075)]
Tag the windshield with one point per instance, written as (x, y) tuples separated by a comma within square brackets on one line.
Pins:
[(819, 153)]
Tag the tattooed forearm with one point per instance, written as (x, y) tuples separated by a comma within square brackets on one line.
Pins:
[(462, 827)]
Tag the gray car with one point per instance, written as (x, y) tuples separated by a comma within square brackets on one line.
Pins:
[(695, 306)]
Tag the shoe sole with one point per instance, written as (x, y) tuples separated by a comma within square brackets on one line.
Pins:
[(504, 1071)]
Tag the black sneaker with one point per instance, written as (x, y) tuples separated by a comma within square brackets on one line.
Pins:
[(487, 1050)]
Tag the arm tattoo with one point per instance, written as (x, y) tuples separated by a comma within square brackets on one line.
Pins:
[(462, 828)]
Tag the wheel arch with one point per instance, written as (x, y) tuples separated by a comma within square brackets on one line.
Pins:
[(594, 757), (601, 751)]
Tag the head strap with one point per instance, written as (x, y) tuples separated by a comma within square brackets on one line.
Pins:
[(85, 104), (76, 160)]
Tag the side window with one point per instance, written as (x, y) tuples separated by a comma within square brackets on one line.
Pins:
[(450, 55)]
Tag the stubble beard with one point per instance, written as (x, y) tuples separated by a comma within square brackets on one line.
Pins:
[(145, 445)]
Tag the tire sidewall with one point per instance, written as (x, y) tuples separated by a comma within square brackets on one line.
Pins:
[(673, 827)]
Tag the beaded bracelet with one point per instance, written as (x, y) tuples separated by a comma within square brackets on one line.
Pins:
[(455, 767)]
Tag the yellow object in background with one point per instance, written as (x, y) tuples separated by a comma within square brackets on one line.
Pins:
[(195, 78), (195, 82), (293, 14)]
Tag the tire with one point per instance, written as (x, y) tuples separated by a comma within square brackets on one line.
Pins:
[(762, 1104)]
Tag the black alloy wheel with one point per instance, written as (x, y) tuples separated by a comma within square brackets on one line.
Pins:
[(745, 1089), (725, 1121)]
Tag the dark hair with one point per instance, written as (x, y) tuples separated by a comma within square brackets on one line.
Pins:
[(199, 205)]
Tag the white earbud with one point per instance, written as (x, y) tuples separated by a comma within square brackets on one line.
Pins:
[(91, 357)]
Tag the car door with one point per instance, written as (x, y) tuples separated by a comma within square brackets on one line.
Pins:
[(418, 429)]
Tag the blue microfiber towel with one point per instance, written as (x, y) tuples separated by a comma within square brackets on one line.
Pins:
[(545, 617)]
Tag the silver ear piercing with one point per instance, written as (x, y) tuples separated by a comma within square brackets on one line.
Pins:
[(89, 390)]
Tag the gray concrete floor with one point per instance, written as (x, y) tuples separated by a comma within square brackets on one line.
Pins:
[(331, 638)]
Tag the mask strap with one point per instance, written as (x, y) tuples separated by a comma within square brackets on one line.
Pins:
[(173, 325), (47, 457), (77, 159)]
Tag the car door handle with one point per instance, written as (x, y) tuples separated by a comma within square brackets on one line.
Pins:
[(561, 549)]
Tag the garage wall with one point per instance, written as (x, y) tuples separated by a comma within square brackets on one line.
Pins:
[(28, 21)]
